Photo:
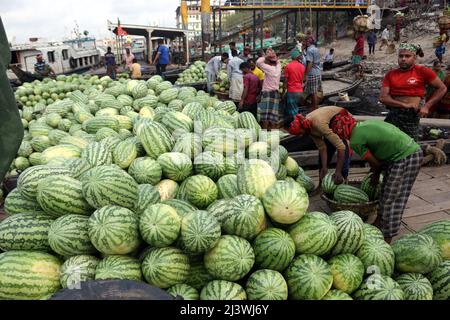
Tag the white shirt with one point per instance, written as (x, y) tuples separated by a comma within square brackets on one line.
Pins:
[(233, 68), (214, 65), (385, 34), (329, 57)]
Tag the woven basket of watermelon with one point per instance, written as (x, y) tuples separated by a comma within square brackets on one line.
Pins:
[(358, 196)]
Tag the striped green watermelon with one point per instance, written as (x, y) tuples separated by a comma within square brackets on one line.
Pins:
[(35, 158), (221, 210), (233, 163), (125, 123), (227, 187), (148, 195), (246, 120), (440, 232), (21, 163), (183, 208), (415, 286), (349, 194), (78, 269), (54, 137), (198, 275), (97, 154), (94, 124), (259, 150), (124, 154), (119, 268), (201, 191), (379, 287), (184, 291), (336, 295), (306, 182), (77, 166), (26, 149), (81, 140), (62, 195), (372, 191), (371, 232), (247, 218), (348, 272), (155, 138), (231, 258), (176, 105), (210, 164), (350, 231), (25, 231), (159, 225), (40, 143), (16, 203), (274, 249), (165, 267), (266, 285), (417, 253), (29, 179), (308, 277), (377, 257), (145, 171), (315, 234), (175, 166), (281, 173), (167, 189), (223, 290), (178, 123), (114, 230), (328, 186), (200, 232), (285, 203), (108, 185), (440, 280), (190, 144), (255, 177), (28, 275)]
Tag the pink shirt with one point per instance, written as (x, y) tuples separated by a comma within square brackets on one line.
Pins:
[(128, 60), (272, 75)]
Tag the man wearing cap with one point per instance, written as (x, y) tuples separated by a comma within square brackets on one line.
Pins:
[(42, 68), (313, 72), (293, 86), (246, 54)]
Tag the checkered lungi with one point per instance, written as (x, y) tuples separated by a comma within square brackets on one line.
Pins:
[(269, 107), (292, 103), (398, 181), (313, 84), (406, 120)]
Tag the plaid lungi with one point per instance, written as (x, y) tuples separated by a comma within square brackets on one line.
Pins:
[(398, 181), (269, 107), (313, 84), (406, 120), (292, 103)]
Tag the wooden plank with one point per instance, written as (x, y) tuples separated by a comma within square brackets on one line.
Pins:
[(437, 198), (418, 222)]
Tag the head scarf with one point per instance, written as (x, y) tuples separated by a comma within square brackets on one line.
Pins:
[(343, 124), (296, 53), (300, 125), (409, 47)]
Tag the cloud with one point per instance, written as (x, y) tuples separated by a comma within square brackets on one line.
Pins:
[(55, 20)]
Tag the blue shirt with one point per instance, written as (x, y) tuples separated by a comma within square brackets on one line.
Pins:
[(110, 59), (313, 55), (372, 38), (163, 55)]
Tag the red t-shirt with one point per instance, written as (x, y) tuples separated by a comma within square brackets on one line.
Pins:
[(294, 73), (359, 48), (409, 83), (251, 82)]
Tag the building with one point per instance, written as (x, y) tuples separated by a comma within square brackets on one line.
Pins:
[(195, 19)]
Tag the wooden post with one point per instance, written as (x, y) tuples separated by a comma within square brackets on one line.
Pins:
[(287, 29), (214, 31), (220, 30), (262, 29), (254, 29)]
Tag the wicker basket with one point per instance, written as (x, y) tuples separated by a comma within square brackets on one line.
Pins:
[(223, 96), (444, 22), (367, 211)]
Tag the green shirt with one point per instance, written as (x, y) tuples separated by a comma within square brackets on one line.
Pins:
[(383, 140)]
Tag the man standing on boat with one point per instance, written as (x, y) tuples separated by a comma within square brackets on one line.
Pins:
[(313, 74), (128, 59), (42, 68), (110, 62), (162, 58)]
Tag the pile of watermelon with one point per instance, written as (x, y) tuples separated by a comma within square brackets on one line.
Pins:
[(194, 74), (143, 181)]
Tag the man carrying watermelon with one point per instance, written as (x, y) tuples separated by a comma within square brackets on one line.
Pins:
[(395, 154), (329, 128)]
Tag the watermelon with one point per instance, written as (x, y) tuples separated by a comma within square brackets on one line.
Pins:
[(165, 267), (377, 257), (159, 225), (227, 187), (190, 144), (274, 249), (349, 194), (124, 154), (77, 166), (223, 290), (371, 233), (25, 231), (306, 182), (200, 232), (372, 191), (177, 123), (314, 234), (198, 275), (62, 195), (348, 272), (285, 203), (97, 154), (147, 195), (145, 171), (350, 231), (308, 278), (210, 164), (440, 280), (379, 287), (417, 253), (108, 185), (40, 143), (78, 269), (175, 166), (183, 208), (336, 295), (230, 259), (94, 124), (266, 285), (415, 286), (247, 120), (259, 150), (68, 236), (155, 139), (167, 189), (328, 186), (440, 232), (28, 275), (15, 203), (119, 268), (221, 210), (201, 191), (255, 177), (114, 230), (184, 291)]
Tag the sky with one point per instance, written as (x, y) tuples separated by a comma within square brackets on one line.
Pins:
[(55, 19)]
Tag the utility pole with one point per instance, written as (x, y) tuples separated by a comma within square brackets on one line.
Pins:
[(206, 25)]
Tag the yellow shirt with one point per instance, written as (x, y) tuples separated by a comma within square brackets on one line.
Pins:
[(257, 72), (135, 71)]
